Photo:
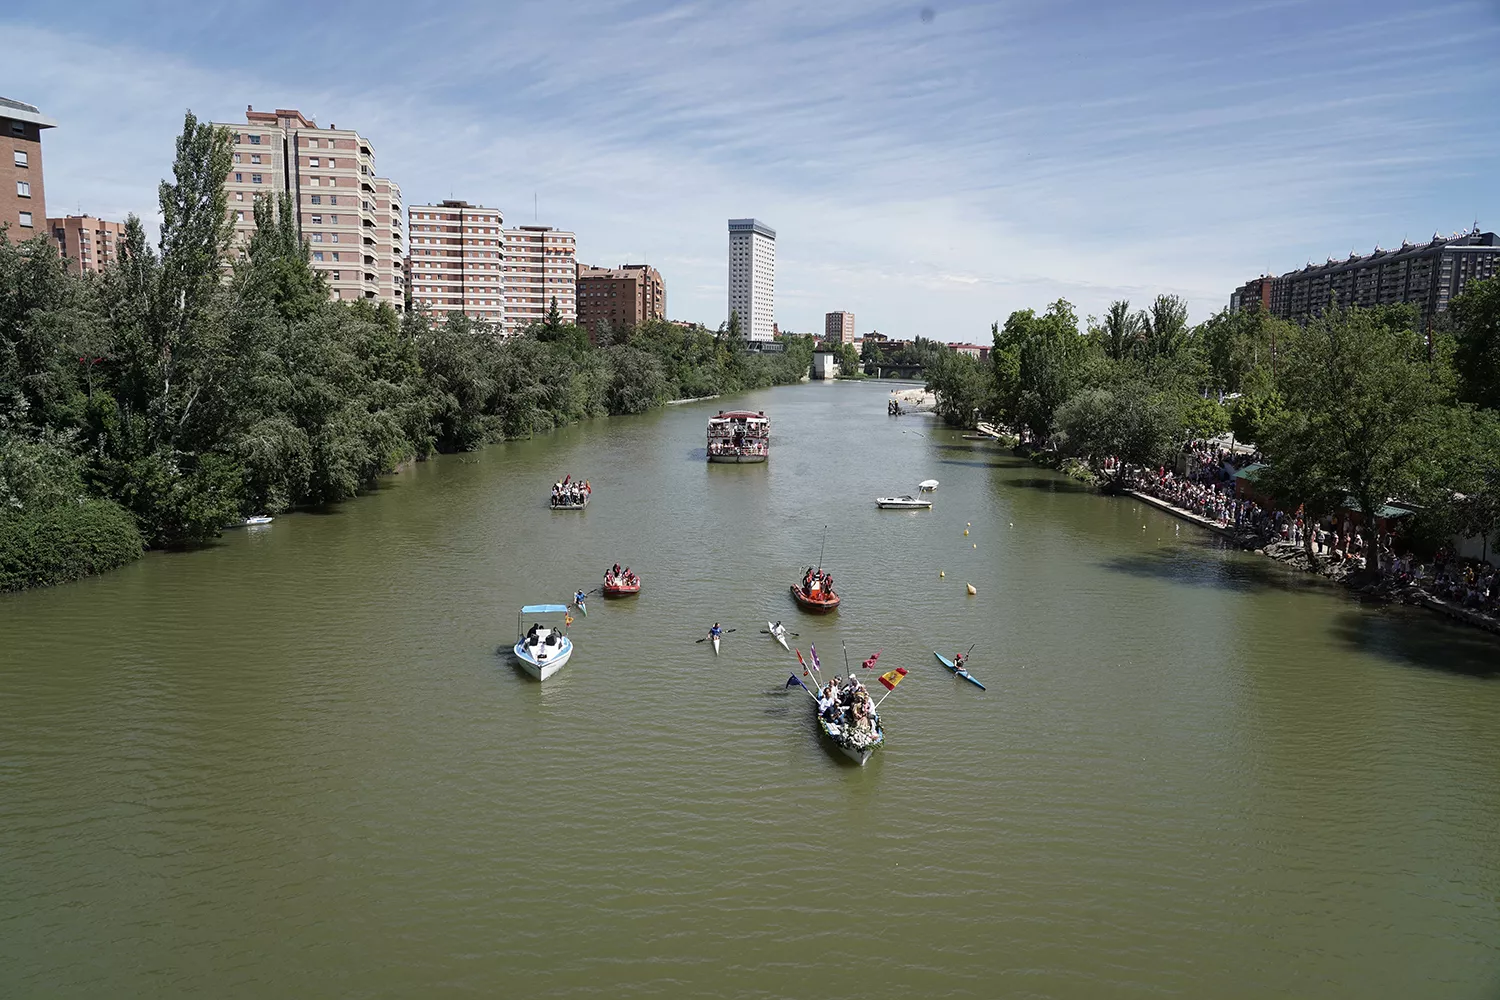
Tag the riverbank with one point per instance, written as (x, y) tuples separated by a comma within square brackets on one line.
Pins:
[(1295, 556)]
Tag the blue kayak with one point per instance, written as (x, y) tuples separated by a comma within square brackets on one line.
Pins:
[(960, 672)]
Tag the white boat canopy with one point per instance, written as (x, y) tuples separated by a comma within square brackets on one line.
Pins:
[(544, 609)]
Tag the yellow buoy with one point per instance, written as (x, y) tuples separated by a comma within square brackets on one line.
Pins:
[(976, 545), (971, 589), (966, 532), (941, 574)]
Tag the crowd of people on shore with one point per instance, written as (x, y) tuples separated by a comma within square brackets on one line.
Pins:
[(845, 702), (571, 492), (1207, 490)]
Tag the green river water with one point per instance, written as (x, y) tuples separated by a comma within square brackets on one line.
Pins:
[(294, 764)]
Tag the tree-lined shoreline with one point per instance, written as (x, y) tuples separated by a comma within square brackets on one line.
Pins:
[(188, 386)]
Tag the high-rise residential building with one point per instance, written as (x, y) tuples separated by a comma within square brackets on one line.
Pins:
[(540, 268), (88, 244), (23, 205), (1427, 275), (752, 277), (457, 257), (390, 217), (1253, 296), (838, 327), (624, 296), (336, 195)]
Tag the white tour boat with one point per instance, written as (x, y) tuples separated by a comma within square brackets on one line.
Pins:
[(739, 436), (542, 650)]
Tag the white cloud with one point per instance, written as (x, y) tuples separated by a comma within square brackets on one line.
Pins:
[(929, 177)]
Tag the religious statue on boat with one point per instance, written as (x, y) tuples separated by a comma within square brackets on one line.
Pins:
[(846, 713)]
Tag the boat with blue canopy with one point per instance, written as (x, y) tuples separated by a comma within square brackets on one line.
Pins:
[(543, 649)]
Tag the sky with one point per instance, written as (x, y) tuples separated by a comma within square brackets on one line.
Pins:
[(930, 167)]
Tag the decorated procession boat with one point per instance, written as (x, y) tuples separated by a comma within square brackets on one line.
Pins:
[(855, 742), (739, 436), (543, 650)]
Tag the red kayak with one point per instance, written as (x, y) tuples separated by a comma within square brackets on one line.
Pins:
[(622, 589), (822, 602)]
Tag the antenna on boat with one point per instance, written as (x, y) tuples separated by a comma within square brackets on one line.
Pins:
[(822, 547)]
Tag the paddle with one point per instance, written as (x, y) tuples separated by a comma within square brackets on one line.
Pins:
[(726, 632), (766, 631)]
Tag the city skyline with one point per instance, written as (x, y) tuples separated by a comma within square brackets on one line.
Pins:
[(932, 185)]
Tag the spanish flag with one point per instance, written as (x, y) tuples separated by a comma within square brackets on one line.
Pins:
[(892, 677)]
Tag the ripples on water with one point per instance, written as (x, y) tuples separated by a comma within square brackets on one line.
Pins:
[(295, 765)]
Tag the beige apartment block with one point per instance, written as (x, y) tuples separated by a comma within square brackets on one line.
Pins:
[(23, 208), (456, 260), (88, 244), (390, 217), (540, 266), (623, 297), (336, 194)]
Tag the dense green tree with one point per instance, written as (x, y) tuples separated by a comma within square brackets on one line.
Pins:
[(1476, 320), (1130, 422), (1363, 410)]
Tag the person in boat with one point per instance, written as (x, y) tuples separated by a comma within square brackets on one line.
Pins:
[(579, 597), (715, 632)]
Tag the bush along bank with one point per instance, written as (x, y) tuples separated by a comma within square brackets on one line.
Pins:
[(192, 384)]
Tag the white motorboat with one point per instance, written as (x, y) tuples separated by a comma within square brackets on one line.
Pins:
[(542, 650), (907, 502), (778, 632), (927, 485), (259, 519)]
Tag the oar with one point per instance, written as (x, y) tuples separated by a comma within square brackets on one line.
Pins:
[(726, 632), (766, 631)]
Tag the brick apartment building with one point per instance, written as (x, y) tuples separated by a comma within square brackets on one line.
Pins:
[(456, 261), (1427, 275), (540, 267), (1253, 296), (838, 327), (23, 203), (88, 244), (624, 296), (351, 218)]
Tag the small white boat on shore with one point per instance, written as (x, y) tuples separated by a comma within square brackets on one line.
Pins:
[(259, 519), (907, 502), (927, 485), (542, 650)]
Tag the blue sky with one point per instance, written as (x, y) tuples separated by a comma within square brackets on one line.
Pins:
[(931, 174)]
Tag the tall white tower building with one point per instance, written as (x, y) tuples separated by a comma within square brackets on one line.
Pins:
[(752, 277)]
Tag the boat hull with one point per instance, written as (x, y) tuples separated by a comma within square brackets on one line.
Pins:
[(569, 506), (859, 754), (956, 672), (738, 459), (546, 665), (621, 591), (716, 645), (904, 504), (814, 605)]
